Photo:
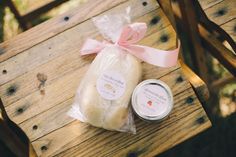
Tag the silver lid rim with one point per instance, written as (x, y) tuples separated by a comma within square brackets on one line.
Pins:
[(146, 117)]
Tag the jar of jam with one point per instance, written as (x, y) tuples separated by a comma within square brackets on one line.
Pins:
[(152, 100)]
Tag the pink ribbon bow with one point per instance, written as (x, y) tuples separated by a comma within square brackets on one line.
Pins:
[(130, 35)]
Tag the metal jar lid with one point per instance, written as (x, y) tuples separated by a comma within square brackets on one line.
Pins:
[(152, 100)]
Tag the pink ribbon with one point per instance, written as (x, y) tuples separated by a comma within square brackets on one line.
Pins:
[(130, 35)]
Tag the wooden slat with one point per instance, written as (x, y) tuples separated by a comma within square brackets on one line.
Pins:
[(164, 39), (63, 68), (230, 28), (214, 28), (60, 44), (58, 91), (48, 121), (27, 83), (12, 62), (37, 99), (58, 113), (16, 65), (171, 81), (208, 3), (57, 25), (222, 12), (94, 137), (159, 141), (53, 27)]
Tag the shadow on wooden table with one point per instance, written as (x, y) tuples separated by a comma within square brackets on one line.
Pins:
[(13, 141)]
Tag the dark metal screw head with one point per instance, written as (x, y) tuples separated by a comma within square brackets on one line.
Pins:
[(44, 148), (66, 18), (144, 3)]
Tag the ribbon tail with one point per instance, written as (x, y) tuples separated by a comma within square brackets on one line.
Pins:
[(154, 56), (91, 46)]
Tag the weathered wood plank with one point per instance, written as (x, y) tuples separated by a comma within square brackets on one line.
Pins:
[(222, 12), (14, 97), (60, 44), (28, 82), (54, 26), (48, 121), (36, 99), (58, 115), (30, 107), (160, 140), (57, 25), (44, 31), (165, 38), (230, 28), (47, 49), (55, 93), (208, 3), (94, 137)]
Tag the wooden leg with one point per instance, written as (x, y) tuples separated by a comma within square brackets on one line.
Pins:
[(1, 21)]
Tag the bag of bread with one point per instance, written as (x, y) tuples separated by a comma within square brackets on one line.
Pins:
[(104, 93)]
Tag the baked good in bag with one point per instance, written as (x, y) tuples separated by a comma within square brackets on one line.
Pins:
[(106, 89)]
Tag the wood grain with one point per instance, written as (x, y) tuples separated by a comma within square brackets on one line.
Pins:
[(36, 102), (222, 12), (230, 28), (57, 25), (53, 27), (56, 117), (106, 142), (39, 107), (26, 85), (69, 61), (48, 121), (208, 3), (55, 93), (60, 44)]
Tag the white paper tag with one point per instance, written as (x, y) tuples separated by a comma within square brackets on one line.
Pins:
[(111, 85)]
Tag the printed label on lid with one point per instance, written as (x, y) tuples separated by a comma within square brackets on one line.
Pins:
[(152, 100), (111, 85)]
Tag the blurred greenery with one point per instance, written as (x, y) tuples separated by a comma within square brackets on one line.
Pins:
[(1, 21), (40, 20)]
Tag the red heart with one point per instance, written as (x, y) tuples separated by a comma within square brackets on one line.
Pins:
[(149, 103)]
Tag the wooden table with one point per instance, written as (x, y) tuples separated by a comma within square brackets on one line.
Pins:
[(41, 69)]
